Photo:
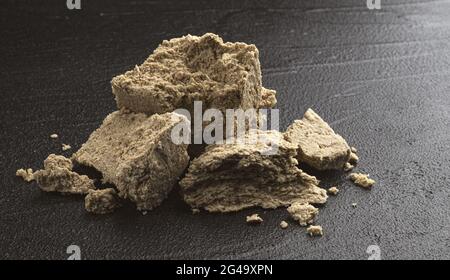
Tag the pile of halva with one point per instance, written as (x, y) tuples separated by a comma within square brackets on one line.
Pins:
[(134, 152)]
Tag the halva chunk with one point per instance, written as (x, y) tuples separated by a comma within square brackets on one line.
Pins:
[(318, 145), (135, 152), (304, 213), (231, 177), (192, 68), (101, 201)]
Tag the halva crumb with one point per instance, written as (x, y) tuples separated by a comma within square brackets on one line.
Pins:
[(362, 180), (284, 224), (315, 230), (304, 213), (54, 136), (66, 147), (254, 219), (26, 174), (333, 190)]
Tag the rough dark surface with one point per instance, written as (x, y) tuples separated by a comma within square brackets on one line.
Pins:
[(381, 78)]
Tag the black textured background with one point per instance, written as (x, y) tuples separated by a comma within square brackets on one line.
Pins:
[(381, 78)]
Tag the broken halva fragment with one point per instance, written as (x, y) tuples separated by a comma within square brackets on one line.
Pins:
[(318, 145), (362, 180), (254, 219), (101, 201), (191, 68), (258, 170), (26, 174), (314, 230), (304, 213), (57, 176), (135, 152)]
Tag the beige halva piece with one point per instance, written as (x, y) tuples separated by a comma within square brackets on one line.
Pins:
[(304, 213), (231, 177), (135, 152), (318, 145), (101, 201), (57, 176), (191, 68)]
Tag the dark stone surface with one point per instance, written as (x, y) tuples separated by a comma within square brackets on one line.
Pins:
[(381, 78)]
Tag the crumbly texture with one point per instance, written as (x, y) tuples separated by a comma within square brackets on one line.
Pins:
[(57, 176), (135, 152), (254, 219), (192, 68), (26, 174), (231, 177), (304, 213), (318, 145), (101, 201), (333, 191), (362, 180), (315, 230), (348, 167), (54, 136), (353, 159), (284, 225), (66, 147)]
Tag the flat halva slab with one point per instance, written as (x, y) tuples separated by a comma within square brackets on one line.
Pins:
[(191, 68), (318, 145), (135, 152), (231, 177)]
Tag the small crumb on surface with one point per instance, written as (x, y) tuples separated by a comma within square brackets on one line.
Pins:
[(354, 204), (315, 231), (304, 213), (348, 167), (195, 210), (284, 224), (362, 180), (354, 150), (66, 147), (26, 174), (54, 136), (144, 213), (254, 219), (333, 190)]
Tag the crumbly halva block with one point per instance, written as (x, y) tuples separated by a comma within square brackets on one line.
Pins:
[(304, 213), (192, 68), (26, 174), (135, 152), (101, 201), (254, 219), (318, 145), (362, 180), (315, 230), (231, 177), (57, 176)]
